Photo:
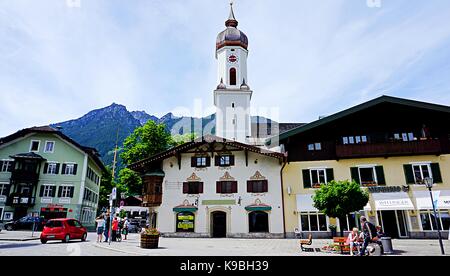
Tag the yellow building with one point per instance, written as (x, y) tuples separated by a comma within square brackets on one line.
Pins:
[(389, 146)]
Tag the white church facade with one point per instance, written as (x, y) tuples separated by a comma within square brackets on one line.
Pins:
[(219, 186)]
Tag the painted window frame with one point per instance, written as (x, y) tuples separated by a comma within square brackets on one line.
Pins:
[(69, 165), (31, 145), (6, 163), (317, 146), (4, 188), (47, 192), (420, 165), (317, 170), (53, 147), (316, 215), (65, 191), (50, 165), (374, 174)]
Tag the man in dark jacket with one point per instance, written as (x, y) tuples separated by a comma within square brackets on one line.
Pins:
[(370, 233), (107, 225)]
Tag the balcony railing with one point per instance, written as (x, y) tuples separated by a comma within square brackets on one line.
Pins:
[(420, 147), (21, 201), (152, 200)]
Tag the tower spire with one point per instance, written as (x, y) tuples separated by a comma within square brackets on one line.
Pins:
[(231, 22)]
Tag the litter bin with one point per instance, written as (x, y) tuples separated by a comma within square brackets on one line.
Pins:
[(387, 245)]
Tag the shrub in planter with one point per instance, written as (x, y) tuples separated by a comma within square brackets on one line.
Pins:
[(150, 238)]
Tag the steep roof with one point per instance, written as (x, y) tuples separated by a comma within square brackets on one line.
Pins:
[(49, 130), (361, 107), (200, 141)]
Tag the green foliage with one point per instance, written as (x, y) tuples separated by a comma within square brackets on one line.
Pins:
[(178, 140), (105, 188), (130, 182), (337, 199), (145, 141)]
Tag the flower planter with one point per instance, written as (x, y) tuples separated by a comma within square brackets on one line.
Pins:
[(149, 241)]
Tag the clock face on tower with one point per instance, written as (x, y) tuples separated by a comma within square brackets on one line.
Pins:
[(232, 59)]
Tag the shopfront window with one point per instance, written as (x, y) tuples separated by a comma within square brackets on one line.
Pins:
[(428, 220), (313, 222), (185, 222), (258, 222), (351, 221)]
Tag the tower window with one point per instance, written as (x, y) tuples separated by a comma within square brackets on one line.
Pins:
[(233, 76), (232, 105)]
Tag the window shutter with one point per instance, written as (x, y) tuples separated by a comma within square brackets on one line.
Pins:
[(330, 175), (57, 168), (249, 186), (185, 187), (355, 175), (409, 174), (219, 187), (306, 179), (208, 161), (380, 175), (200, 187), (193, 162), (217, 161), (234, 187), (59, 191), (75, 167), (436, 171), (265, 186), (53, 191), (41, 192), (231, 160), (64, 166), (1, 164), (72, 189), (45, 168)]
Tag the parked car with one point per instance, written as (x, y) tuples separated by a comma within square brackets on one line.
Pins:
[(26, 223), (1, 226), (63, 230)]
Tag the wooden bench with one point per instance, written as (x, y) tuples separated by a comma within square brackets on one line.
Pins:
[(341, 242), (304, 242)]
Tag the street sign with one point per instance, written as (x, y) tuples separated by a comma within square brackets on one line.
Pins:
[(114, 193)]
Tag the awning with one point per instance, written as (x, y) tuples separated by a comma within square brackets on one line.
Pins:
[(305, 203), (423, 199), (185, 209), (258, 208), (392, 201)]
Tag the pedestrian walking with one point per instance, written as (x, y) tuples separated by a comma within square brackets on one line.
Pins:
[(100, 221), (114, 228), (126, 224), (370, 234), (106, 230)]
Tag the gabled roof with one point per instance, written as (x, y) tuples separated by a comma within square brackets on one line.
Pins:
[(201, 141), (361, 107), (49, 130)]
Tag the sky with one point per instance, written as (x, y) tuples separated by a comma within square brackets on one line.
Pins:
[(60, 59)]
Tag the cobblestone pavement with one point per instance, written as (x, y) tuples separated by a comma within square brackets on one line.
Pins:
[(191, 247)]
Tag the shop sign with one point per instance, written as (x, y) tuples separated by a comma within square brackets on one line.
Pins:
[(185, 222), (388, 189)]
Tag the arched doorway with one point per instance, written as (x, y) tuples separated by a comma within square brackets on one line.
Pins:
[(219, 224)]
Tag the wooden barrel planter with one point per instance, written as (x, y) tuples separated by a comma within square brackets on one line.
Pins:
[(149, 241)]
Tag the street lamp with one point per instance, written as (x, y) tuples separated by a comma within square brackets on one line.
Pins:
[(429, 184)]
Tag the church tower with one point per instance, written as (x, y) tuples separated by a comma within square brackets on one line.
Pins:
[(232, 96)]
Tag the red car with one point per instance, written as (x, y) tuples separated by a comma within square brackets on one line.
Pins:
[(63, 230)]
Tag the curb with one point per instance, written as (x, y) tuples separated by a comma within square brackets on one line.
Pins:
[(117, 250), (20, 240)]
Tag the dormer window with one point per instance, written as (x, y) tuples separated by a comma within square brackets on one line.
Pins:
[(49, 147)]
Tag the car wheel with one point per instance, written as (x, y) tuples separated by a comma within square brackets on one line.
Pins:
[(9, 228), (43, 241), (84, 237), (66, 239)]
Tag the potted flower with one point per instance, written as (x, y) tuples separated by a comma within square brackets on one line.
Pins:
[(333, 229), (150, 238)]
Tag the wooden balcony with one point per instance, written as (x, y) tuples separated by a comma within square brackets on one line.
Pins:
[(152, 200), (18, 201), (420, 147), (25, 176)]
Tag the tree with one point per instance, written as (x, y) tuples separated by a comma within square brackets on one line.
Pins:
[(337, 199), (145, 141), (130, 182), (178, 140)]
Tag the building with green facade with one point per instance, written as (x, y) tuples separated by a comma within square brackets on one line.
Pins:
[(45, 173)]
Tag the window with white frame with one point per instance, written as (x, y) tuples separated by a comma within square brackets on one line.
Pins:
[(69, 169), (6, 165), (428, 220), (66, 191), (4, 188), (350, 222), (313, 222), (318, 176), (34, 146), (367, 175), (48, 190), (315, 147), (52, 168), (405, 136), (354, 139), (49, 146), (421, 172)]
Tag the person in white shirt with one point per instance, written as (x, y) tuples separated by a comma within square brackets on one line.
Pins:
[(100, 221), (353, 240)]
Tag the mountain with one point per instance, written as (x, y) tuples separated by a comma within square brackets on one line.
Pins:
[(101, 128)]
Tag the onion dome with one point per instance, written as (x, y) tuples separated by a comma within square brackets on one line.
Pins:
[(244, 86), (231, 36), (221, 86)]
